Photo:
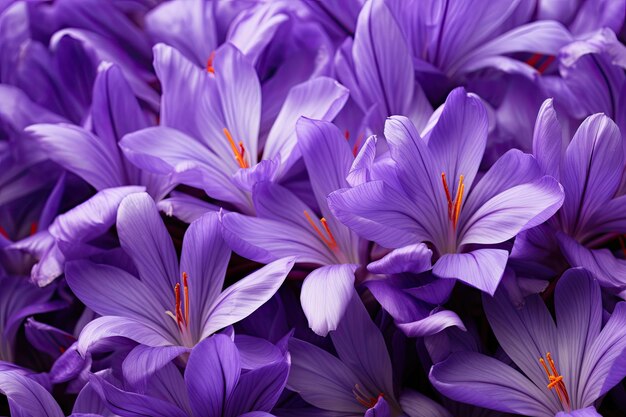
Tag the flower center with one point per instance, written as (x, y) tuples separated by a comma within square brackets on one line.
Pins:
[(454, 206), (327, 238), (181, 306), (540, 62), (238, 151), (555, 381), (364, 398), (209, 63)]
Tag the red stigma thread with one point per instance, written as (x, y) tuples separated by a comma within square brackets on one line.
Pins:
[(454, 206), (327, 238), (555, 381)]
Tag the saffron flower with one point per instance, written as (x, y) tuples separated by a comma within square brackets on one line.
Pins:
[(563, 368), (360, 380), (427, 196), (168, 310), (287, 226)]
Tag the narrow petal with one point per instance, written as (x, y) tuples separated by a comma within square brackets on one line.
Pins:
[(578, 326), (322, 379), (211, 375), (458, 140), (112, 326), (548, 143), (326, 293), (434, 323), (265, 240), (111, 291), (380, 409), (320, 98), (132, 404), (167, 151), (413, 258), (604, 365), (189, 27), (26, 397), (204, 259), (526, 334), (328, 159), (243, 298), (259, 389), (486, 382), (144, 237), (609, 270), (81, 152), (144, 361), (591, 170), (482, 268), (377, 212), (361, 346), (415, 404), (512, 211)]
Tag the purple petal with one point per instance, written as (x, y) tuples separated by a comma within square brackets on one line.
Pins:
[(328, 159), (380, 409), (415, 404), (435, 322), (131, 404), (591, 171), (604, 364), (204, 259), (361, 346), (326, 293), (321, 379), (255, 352), (482, 268), (548, 143), (583, 412), (458, 140), (111, 291), (144, 361), (486, 382), (512, 211), (189, 27), (211, 375), (144, 237), (94, 159), (27, 397), (245, 296), (414, 258), (185, 207), (258, 389), (578, 306), (320, 98)]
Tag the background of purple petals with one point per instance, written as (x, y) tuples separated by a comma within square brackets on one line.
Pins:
[(312, 208)]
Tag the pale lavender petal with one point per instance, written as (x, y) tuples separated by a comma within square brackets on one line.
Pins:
[(245, 296), (26, 397), (414, 258), (144, 361), (482, 268), (326, 293), (548, 142), (486, 382)]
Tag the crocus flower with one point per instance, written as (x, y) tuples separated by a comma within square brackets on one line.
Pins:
[(213, 386), (215, 147), (563, 368), (359, 381), (426, 196), (167, 310), (590, 169), (286, 226)]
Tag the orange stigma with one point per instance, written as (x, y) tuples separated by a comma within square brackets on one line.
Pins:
[(328, 238), (181, 304), (238, 151), (209, 63), (454, 206), (364, 399), (555, 381)]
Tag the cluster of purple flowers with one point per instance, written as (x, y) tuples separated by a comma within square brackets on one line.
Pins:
[(302, 208)]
